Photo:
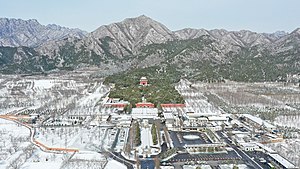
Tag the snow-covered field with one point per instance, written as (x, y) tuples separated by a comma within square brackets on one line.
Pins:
[(41, 159), (51, 92), (288, 121), (195, 101), (15, 146), (259, 95), (80, 160), (84, 139), (17, 151), (65, 104), (289, 149), (111, 164), (230, 166)]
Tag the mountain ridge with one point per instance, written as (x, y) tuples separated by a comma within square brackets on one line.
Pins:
[(18, 32), (202, 54)]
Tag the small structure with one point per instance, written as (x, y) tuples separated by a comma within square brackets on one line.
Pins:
[(249, 146), (143, 81), (144, 113), (172, 105), (144, 104), (217, 118), (115, 102), (200, 121)]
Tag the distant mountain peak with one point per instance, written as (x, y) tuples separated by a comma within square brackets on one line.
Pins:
[(142, 17), (296, 31), (18, 32), (141, 20), (130, 34)]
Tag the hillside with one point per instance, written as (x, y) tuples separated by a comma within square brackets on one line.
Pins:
[(199, 54)]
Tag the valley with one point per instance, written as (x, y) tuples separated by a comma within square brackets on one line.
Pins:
[(68, 120)]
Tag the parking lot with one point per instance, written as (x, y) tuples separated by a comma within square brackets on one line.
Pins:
[(186, 157), (179, 141)]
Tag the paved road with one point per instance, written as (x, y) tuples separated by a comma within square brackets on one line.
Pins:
[(240, 152), (118, 157), (164, 147), (258, 155), (147, 163), (116, 140)]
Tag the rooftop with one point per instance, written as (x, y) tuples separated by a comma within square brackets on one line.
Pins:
[(269, 150), (217, 118), (249, 144), (259, 120), (168, 115), (282, 161), (144, 112)]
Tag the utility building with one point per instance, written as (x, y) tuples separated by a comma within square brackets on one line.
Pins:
[(143, 81)]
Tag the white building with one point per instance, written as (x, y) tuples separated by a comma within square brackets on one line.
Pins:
[(282, 162), (200, 120), (144, 113), (171, 120), (249, 146), (258, 122), (217, 118)]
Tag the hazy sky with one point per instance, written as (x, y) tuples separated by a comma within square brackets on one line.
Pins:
[(255, 15)]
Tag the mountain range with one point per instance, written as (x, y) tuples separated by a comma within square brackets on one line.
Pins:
[(137, 43), (18, 32)]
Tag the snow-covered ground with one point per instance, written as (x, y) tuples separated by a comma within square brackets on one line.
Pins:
[(13, 143), (195, 101), (113, 164), (86, 159), (289, 149), (71, 137), (66, 104), (230, 166), (195, 166), (146, 137), (288, 121), (41, 159), (147, 147), (258, 95)]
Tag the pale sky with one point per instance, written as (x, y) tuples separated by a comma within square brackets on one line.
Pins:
[(255, 15)]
